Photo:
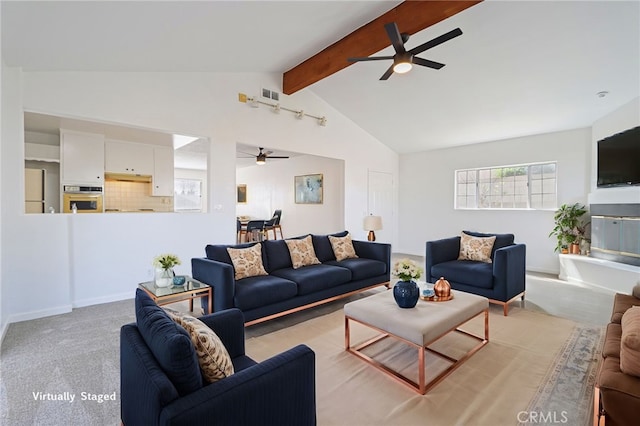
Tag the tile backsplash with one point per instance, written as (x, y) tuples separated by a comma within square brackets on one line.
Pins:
[(134, 196)]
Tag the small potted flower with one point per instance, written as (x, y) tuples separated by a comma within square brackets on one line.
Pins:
[(164, 264), (406, 291)]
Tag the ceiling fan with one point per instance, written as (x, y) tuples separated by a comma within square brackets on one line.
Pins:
[(262, 156), (403, 59)]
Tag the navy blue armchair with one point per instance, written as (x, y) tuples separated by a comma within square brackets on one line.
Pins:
[(501, 281), (158, 386)]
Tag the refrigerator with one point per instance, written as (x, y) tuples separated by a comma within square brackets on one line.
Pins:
[(34, 190)]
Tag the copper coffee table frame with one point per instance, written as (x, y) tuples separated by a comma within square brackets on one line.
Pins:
[(422, 387)]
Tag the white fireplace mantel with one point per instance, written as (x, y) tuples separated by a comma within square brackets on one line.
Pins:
[(599, 273)]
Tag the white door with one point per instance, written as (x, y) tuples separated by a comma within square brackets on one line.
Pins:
[(380, 203)]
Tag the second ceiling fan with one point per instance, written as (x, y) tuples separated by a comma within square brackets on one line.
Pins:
[(262, 156), (403, 59)]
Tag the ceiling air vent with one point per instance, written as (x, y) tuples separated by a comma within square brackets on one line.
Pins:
[(270, 94)]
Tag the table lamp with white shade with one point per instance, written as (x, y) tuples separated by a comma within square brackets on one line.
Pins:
[(372, 223)]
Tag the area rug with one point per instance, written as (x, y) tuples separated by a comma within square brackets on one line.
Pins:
[(523, 368), (568, 386)]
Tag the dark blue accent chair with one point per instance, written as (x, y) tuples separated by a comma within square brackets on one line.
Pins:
[(501, 281), (277, 391)]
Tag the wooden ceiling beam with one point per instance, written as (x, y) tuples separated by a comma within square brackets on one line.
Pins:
[(410, 16)]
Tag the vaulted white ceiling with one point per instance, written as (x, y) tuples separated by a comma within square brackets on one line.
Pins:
[(520, 67)]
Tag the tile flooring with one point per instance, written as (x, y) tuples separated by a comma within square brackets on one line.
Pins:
[(547, 293)]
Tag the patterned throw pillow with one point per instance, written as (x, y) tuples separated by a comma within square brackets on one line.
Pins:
[(302, 252), (630, 342), (213, 357), (476, 248), (343, 247), (247, 262)]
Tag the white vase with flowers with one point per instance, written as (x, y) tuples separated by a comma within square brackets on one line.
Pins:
[(164, 273)]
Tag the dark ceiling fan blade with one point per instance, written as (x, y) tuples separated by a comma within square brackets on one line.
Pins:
[(369, 58), (387, 73), (436, 41), (395, 37), (276, 156), (427, 63)]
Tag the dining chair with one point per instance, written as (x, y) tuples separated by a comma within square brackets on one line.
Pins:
[(255, 230), (274, 224)]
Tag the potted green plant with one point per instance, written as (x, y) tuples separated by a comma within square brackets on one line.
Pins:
[(570, 227)]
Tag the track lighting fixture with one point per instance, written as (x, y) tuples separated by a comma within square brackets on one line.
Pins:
[(254, 102)]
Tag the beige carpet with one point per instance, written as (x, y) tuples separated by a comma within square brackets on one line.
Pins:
[(491, 388)]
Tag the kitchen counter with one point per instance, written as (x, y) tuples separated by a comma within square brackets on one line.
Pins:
[(131, 211)]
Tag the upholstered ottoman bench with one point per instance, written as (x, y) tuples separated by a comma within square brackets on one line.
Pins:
[(418, 327)]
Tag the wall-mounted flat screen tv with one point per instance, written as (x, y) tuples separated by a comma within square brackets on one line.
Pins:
[(619, 159)]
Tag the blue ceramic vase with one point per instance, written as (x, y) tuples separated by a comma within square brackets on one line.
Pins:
[(406, 293)]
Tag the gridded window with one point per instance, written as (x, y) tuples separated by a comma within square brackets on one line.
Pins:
[(188, 195), (466, 189), (543, 186), (528, 186)]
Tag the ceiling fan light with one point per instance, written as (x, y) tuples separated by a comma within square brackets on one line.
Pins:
[(260, 161), (402, 67)]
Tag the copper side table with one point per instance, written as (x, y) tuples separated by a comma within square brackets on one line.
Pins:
[(192, 289)]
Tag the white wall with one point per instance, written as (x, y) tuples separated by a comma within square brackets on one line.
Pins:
[(3, 319), (625, 117), (66, 260), (427, 192), (271, 187)]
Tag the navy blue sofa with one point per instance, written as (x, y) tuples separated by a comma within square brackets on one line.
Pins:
[(501, 281), (161, 382), (284, 289)]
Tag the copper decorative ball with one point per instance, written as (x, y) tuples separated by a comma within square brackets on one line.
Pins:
[(442, 288)]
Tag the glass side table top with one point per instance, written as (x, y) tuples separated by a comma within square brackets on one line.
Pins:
[(190, 284)]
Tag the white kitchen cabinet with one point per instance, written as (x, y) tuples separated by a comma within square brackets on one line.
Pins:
[(163, 172), (128, 157), (82, 158)]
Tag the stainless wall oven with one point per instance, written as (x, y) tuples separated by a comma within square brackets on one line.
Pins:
[(87, 199)]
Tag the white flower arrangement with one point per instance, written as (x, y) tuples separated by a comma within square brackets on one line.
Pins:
[(166, 261), (406, 270)]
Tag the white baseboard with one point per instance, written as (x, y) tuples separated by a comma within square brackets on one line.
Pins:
[(26, 316), (100, 300), (3, 331), (543, 270), (65, 309)]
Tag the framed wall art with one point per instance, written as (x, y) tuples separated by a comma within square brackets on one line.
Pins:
[(242, 194), (308, 189)]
